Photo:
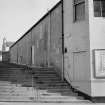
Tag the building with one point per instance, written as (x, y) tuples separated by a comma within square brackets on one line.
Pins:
[(6, 56), (70, 37), (5, 50), (6, 45)]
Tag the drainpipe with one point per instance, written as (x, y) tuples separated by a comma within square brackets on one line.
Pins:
[(62, 39)]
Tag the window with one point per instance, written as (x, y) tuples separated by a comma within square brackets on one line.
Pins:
[(99, 57), (99, 8), (79, 10)]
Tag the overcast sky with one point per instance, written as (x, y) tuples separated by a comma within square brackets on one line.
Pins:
[(17, 16)]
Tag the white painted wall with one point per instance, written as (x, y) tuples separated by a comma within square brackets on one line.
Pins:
[(97, 41), (77, 59)]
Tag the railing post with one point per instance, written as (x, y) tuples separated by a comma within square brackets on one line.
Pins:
[(35, 91)]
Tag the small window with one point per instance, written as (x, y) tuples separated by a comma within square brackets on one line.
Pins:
[(79, 10), (99, 8)]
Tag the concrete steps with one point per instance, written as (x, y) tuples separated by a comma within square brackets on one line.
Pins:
[(17, 84)]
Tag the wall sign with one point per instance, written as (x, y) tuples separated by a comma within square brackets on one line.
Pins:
[(99, 63)]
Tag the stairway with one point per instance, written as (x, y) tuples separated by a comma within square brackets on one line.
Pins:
[(35, 85), (11, 89), (49, 87)]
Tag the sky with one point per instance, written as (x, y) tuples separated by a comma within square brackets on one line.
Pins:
[(17, 16)]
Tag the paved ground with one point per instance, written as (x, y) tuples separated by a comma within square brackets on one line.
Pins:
[(6, 103), (20, 84)]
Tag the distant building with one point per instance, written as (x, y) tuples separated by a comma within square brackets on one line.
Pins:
[(5, 50), (6, 56), (6, 45)]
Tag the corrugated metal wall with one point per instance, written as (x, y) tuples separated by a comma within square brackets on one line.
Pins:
[(46, 39), (40, 42), (56, 38), (24, 50), (13, 54), (28, 49)]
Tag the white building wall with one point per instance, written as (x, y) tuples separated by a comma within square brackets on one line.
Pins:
[(97, 41), (77, 59)]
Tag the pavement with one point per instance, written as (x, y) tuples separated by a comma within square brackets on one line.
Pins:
[(19, 86), (8, 103)]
